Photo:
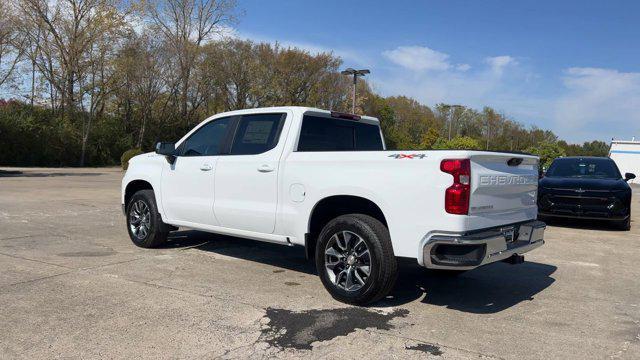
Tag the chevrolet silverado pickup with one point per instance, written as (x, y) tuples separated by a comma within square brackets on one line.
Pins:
[(324, 180)]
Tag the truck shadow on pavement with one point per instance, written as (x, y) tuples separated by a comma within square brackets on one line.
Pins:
[(490, 289), (281, 256), (486, 290)]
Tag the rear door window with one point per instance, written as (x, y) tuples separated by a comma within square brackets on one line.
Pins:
[(328, 134), (257, 133)]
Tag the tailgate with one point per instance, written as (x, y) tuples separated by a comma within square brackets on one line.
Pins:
[(503, 187)]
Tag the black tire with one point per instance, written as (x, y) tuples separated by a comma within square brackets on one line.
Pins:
[(157, 232), (624, 225), (383, 265)]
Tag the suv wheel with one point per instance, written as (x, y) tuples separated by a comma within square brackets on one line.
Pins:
[(144, 223), (355, 259)]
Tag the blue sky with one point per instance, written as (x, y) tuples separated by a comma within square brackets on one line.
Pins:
[(569, 66)]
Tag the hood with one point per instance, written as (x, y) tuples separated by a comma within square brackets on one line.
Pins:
[(143, 156), (585, 184)]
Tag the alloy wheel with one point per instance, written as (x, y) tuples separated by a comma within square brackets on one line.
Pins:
[(347, 260), (140, 219)]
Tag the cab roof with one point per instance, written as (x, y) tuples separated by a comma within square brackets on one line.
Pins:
[(295, 109)]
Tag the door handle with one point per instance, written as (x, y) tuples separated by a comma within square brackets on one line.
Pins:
[(264, 168), (206, 167)]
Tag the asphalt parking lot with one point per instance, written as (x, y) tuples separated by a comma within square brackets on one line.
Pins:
[(72, 285)]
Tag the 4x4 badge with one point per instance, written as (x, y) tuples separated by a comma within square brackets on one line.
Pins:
[(408, 156)]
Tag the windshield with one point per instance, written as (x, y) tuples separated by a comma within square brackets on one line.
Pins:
[(584, 168)]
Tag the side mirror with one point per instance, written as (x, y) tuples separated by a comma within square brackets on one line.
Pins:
[(167, 149), (629, 176)]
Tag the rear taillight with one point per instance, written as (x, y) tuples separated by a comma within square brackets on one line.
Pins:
[(456, 198)]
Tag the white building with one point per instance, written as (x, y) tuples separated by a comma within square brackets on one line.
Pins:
[(626, 154)]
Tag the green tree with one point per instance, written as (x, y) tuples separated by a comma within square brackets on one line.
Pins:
[(595, 148), (429, 139), (457, 143), (570, 149), (588, 148), (547, 151)]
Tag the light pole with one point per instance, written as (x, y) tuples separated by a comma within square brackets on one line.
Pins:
[(449, 107), (488, 132), (355, 74)]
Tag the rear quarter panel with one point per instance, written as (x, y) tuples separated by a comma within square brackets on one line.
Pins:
[(407, 186)]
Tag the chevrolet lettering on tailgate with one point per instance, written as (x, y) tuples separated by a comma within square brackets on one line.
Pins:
[(489, 180)]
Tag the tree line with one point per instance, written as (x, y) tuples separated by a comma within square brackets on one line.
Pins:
[(91, 79)]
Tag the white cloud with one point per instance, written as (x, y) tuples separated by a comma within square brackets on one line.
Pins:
[(418, 58), (594, 103), (500, 82), (598, 103), (498, 63), (452, 82), (472, 88)]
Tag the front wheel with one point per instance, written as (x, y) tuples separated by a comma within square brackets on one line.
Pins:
[(355, 259), (144, 223)]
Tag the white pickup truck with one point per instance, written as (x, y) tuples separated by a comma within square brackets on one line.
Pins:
[(324, 180)]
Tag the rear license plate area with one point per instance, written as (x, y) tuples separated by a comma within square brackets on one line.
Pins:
[(510, 234)]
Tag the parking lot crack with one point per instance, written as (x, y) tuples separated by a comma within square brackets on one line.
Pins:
[(32, 236), (110, 264), (160, 286), (38, 261), (17, 237), (35, 280)]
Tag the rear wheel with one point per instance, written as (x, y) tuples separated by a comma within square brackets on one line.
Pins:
[(144, 223), (355, 259)]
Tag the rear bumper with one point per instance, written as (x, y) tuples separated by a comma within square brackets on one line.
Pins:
[(465, 251)]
